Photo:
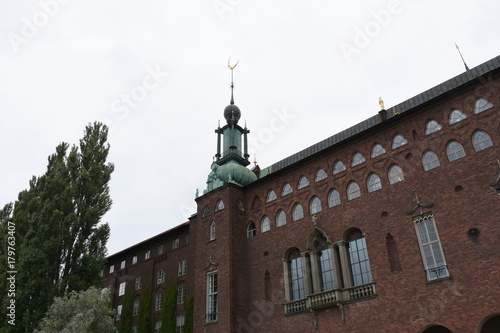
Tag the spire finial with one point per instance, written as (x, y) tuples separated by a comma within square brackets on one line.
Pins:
[(232, 82), (466, 67)]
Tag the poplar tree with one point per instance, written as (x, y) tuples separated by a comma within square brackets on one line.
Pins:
[(60, 240)]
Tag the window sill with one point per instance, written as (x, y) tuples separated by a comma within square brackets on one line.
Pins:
[(439, 279)]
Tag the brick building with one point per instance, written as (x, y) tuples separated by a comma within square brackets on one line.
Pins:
[(389, 226)]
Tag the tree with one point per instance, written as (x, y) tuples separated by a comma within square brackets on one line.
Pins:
[(60, 242), (169, 308), (80, 312), (144, 321)]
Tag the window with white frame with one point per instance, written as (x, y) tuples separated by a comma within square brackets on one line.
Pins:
[(295, 276), (111, 269), (175, 243), (430, 160), (118, 312), (160, 276), (182, 267), (320, 175), (297, 212), (212, 301), (454, 150), (456, 116), (357, 159), (374, 183), (280, 218), (122, 264), (315, 205), (303, 182), (138, 282), (358, 258), (158, 301), (432, 126), (212, 231), (161, 249), (338, 167), (377, 150), (482, 104), (251, 230), (135, 308), (157, 326), (135, 329), (398, 141), (179, 323), (395, 174), (147, 255), (271, 196), (265, 224), (353, 191), (121, 290), (430, 247), (181, 294), (333, 198), (134, 260), (481, 140), (287, 189)]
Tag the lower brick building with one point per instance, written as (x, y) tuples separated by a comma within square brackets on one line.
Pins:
[(389, 226)]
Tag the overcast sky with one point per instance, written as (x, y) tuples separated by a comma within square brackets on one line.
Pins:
[(156, 73)]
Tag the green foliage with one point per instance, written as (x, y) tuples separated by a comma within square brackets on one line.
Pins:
[(80, 312), (127, 313), (169, 308), (189, 310), (60, 242), (144, 321)]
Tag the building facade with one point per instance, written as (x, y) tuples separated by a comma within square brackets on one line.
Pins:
[(389, 226)]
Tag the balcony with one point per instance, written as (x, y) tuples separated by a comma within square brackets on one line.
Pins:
[(331, 298)]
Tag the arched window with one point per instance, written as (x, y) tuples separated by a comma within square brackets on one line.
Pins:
[(358, 258), (295, 276), (482, 104), (271, 195), (374, 183), (239, 204), (395, 174), (430, 160), (338, 167), (377, 150), (454, 150), (251, 230), (333, 198), (398, 141), (303, 182), (265, 224), (280, 218), (315, 206), (353, 191), (437, 329), (481, 140), (297, 212), (206, 211), (212, 231), (287, 189), (432, 126), (320, 175), (357, 159), (456, 116), (219, 205)]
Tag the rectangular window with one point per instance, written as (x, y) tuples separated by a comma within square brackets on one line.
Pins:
[(212, 297), (160, 276), (147, 255), (122, 265), (175, 243), (160, 249), (297, 290), (430, 247), (111, 269), (135, 329), (121, 291), (118, 312), (179, 323), (158, 301), (183, 267), (135, 310), (157, 326), (138, 282), (134, 260), (181, 294)]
